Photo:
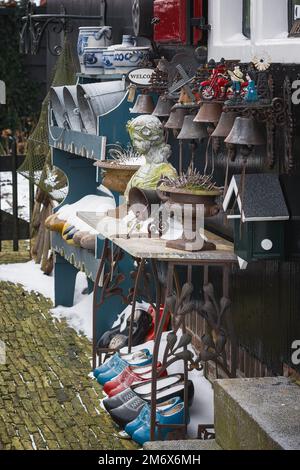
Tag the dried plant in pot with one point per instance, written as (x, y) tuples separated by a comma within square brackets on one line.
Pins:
[(190, 190), (120, 168)]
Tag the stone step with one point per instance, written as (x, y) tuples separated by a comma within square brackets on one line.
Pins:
[(192, 444), (257, 414)]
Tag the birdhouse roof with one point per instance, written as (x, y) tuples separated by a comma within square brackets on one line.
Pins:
[(259, 198)]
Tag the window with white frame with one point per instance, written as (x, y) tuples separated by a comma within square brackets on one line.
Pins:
[(247, 18), (242, 29), (294, 18)]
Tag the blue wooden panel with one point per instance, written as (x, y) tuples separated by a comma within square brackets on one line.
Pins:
[(69, 261), (83, 260), (114, 306), (81, 174), (113, 124), (74, 153)]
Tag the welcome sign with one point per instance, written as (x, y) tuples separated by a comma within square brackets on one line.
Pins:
[(141, 76)]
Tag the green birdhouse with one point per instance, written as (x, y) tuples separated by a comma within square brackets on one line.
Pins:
[(257, 206)]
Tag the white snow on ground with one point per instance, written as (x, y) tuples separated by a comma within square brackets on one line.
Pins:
[(32, 278), (6, 194), (79, 316), (90, 203)]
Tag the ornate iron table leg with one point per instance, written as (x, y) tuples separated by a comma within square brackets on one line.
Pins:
[(95, 303), (157, 341), (134, 300)]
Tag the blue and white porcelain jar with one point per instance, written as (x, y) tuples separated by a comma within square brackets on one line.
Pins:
[(108, 59), (128, 41), (93, 60), (131, 57), (92, 36)]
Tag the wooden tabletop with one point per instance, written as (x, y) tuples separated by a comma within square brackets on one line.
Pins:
[(155, 248)]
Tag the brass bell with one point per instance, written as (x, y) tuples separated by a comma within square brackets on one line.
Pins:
[(177, 116), (163, 107), (245, 132), (209, 113), (225, 125), (144, 105), (192, 130)]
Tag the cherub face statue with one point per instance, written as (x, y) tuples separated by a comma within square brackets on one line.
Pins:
[(145, 132)]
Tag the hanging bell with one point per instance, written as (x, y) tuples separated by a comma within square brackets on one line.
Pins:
[(143, 105), (163, 107), (177, 116), (245, 131), (192, 130), (209, 113), (225, 125)]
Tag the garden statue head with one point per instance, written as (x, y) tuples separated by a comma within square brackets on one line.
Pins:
[(147, 137)]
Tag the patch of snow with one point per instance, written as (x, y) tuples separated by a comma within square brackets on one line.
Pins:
[(33, 442), (79, 316), (30, 276), (6, 195), (90, 203)]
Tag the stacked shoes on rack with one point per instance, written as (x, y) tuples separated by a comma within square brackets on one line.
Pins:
[(117, 337), (127, 382)]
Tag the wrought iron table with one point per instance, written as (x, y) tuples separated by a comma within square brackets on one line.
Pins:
[(176, 301)]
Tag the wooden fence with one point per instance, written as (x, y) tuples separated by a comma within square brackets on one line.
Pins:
[(11, 226)]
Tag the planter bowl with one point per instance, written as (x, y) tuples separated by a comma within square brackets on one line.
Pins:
[(194, 197), (116, 177)]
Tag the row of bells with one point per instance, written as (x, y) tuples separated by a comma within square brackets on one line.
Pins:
[(234, 129)]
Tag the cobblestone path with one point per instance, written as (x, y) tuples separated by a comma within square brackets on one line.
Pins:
[(47, 400)]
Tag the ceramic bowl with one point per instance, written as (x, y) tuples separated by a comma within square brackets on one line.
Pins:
[(131, 57), (93, 60)]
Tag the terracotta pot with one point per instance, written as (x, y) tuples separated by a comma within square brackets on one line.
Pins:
[(116, 178)]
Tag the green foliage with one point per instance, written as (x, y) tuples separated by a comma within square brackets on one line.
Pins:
[(22, 93)]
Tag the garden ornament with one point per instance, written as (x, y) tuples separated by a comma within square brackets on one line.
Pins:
[(147, 137), (237, 79), (251, 95)]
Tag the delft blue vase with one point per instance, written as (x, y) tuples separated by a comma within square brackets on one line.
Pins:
[(92, 36)]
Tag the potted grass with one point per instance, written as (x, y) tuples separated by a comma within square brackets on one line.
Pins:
[(191, 188), (119, 169)]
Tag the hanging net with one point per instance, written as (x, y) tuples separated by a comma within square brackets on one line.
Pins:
[(37, 165)]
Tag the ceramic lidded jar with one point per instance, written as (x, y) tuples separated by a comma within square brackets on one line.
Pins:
[(92, 36), (128, 40)]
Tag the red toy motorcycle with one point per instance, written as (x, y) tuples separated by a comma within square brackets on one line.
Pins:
[(218, 86)]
